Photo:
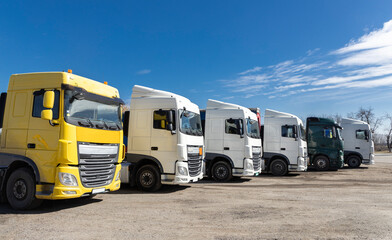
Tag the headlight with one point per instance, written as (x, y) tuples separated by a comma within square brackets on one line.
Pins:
[(195, 150), (301, 161), (118, 176), (68, 179), (256, 150), (182, 170), (249, 165)]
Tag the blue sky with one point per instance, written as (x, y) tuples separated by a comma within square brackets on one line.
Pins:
[(303, 57)]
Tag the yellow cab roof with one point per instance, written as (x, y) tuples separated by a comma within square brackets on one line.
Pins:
[(48, 80)]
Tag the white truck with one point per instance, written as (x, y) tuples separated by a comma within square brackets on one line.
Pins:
[(358, 143), (284, 143), (232, 141), (164, 140)]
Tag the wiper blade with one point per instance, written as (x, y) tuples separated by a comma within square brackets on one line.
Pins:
[(85, 124)]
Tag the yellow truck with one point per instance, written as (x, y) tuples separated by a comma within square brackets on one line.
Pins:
[(61, 137)]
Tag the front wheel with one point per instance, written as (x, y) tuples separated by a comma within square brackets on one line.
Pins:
[(20, 190), (221, 171), (279, 167), (321, 163), (354, 162), (148, 178)]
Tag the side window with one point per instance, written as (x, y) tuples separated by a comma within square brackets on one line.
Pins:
[(361, 134), (160, 119), (39, 101), (328, 133), (288, 131), (234, 126)]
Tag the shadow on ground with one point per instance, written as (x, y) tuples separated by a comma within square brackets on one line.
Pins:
[(165, 189), (50, 206), (207, 180)]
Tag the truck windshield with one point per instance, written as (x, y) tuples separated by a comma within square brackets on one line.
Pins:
[(190, 123), (81, 111), (252, 128), (302, 133)]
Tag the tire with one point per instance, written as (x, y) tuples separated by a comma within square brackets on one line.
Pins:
[(354, 161), (20, 190), (221, 171), (148, 178), (279, 167), (321, 163)]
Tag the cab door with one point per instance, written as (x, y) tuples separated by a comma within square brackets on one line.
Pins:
[(289, 143), (234, 141), (163, 142), (42, 137), (362, 144)]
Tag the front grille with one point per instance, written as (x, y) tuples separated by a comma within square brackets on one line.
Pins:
[(256, 161), (194, 164), (97, 163)]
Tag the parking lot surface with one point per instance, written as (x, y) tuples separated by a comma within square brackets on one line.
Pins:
[(344, 204)]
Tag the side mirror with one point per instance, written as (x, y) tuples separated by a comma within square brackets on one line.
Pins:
[(169, 116), (47, 114), (49, 99)]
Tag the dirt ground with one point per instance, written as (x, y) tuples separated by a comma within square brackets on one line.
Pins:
[(347, 204)]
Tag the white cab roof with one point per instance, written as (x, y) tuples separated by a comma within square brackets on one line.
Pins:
[(214, 104), (140, 91), (352, 121), (273, 113)]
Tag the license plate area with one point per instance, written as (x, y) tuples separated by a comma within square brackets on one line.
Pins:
[(98, 190)]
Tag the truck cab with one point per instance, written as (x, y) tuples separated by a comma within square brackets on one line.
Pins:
[(61, 138), (232, 141), (165, 140), (325, 143), (284, 143), (358, 143)]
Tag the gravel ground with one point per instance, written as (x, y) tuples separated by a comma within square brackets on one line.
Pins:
[(344, 204)]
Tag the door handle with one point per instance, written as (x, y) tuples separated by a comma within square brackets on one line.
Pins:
[(283, 149), (226, 148), (357, 148), (31, 145), (154, 148)]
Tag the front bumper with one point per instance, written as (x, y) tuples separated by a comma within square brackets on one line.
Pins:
[(369, 161), (177, 178), (246, 171), (59, 191), (337, 163), (302, 164)]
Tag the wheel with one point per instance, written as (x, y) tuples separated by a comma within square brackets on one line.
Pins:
[(354, 161), (221, 171), (148, 178), (20, 190), (279, 167), (321, 163)]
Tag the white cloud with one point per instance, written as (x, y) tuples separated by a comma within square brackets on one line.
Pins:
[(373, 48), (249, 88), (227, 98), (144, 72), (361, 64), (310, 52), (377, 56), (376, 39), (252, 70), (284, 87)]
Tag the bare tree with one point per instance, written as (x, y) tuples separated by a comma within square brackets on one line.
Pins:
[(367, 115), (389, 132)]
